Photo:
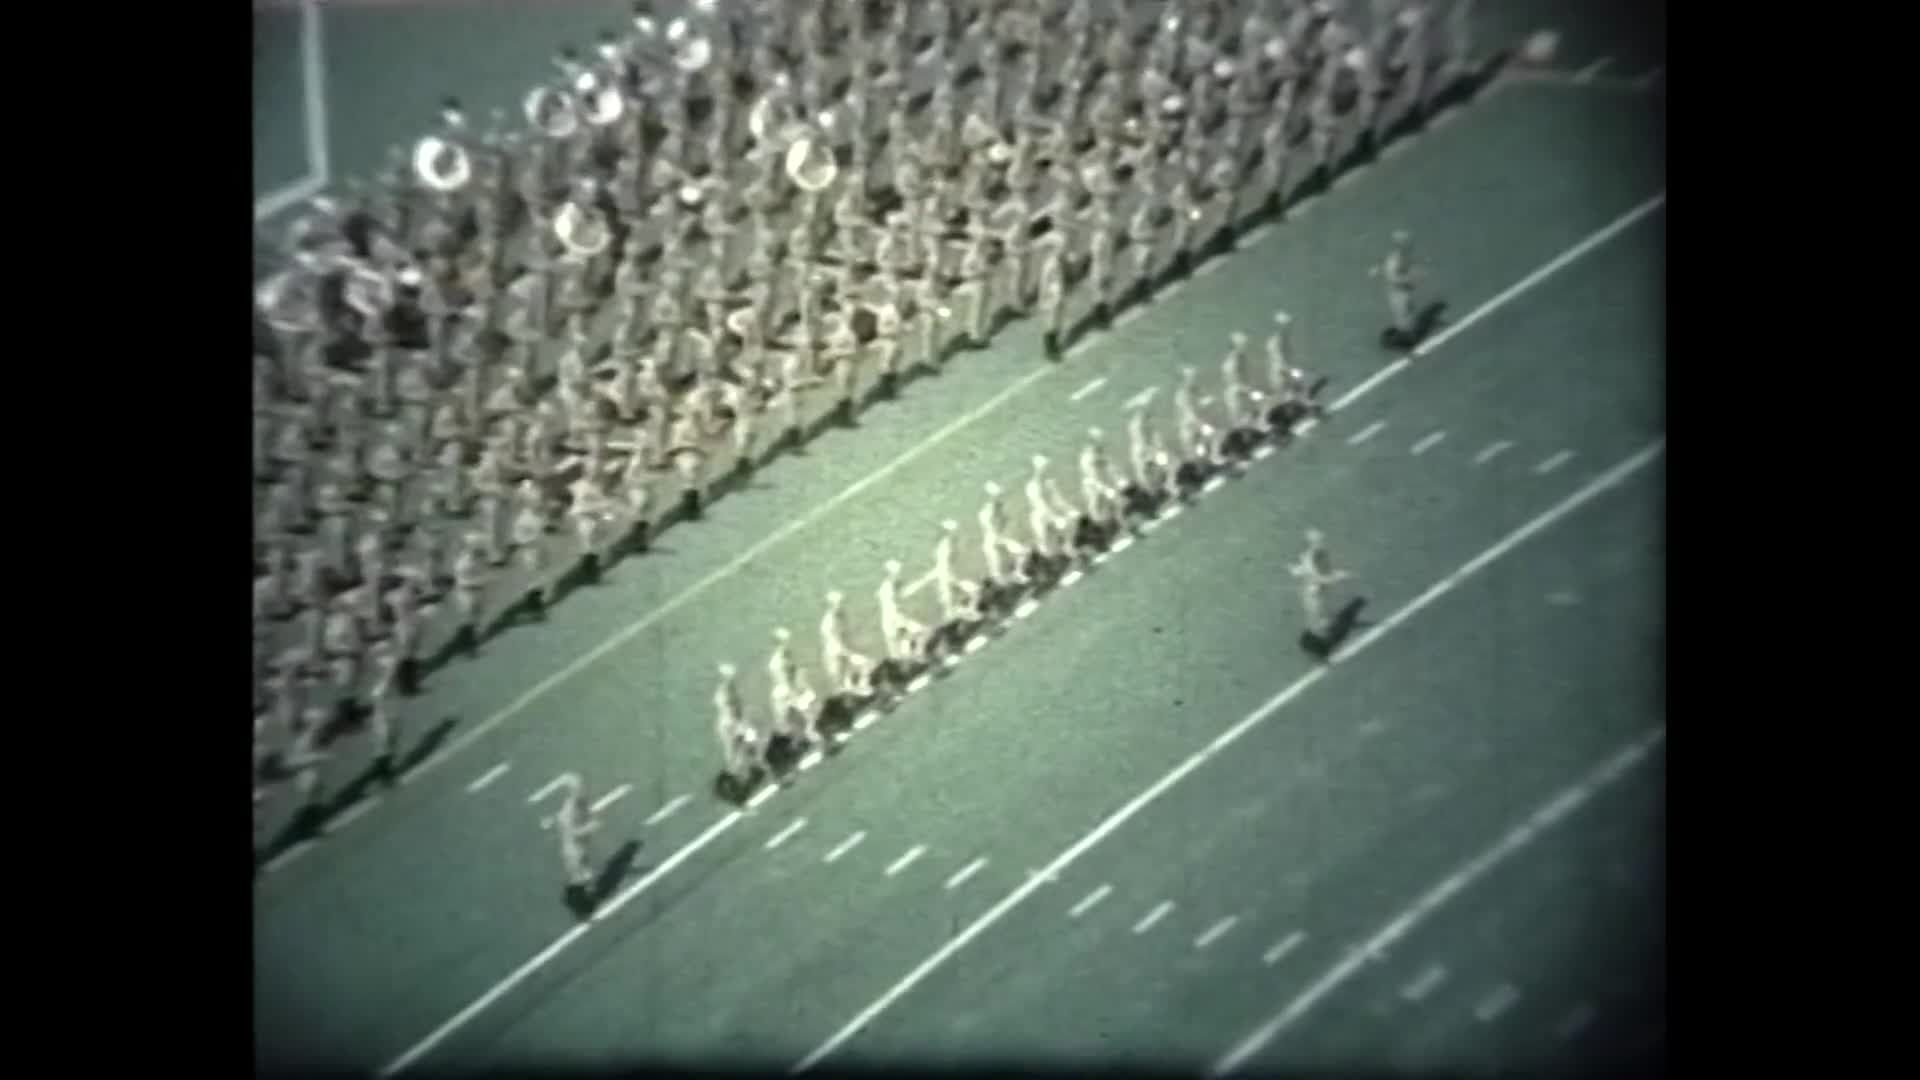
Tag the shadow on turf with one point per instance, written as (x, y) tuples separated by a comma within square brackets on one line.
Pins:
[(584, 901), (1345, 621), (1425, 322)]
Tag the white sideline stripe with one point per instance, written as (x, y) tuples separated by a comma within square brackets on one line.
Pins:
[(1552, 463), (1140, 802)]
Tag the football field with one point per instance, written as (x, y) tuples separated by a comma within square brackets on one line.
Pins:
[(1138, 826)]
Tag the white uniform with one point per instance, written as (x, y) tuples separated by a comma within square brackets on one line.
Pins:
[(790, 696), (1187, 410), (904, 634), (995, 544), (1233, 384), (943, 576), (1314, 570), (736, 399), (304, 755), (848, 670), (738, 740), (1399, 274), (1280, 373), (574, 822), (1143, 447), (1048, 513), (1096, 486)]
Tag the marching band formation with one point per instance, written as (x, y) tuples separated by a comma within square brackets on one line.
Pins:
[(518, 354)]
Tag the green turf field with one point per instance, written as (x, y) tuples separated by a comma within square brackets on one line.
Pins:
[(428, 928)]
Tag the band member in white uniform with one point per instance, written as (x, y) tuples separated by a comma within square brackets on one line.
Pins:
[(573, 823), (1314, 570), (791, 698), (1398, 272), (905, 636), (996, 545)]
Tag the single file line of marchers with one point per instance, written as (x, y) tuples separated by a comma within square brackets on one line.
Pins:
[(1607, 481), (726, 822)]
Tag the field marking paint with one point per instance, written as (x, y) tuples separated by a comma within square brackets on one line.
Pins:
[(1088, 389), (668, 810), (488, 777), (1215, 932), (611, 797), (1366, 433), (1428, 981), (786, 834), (1496, 1003), (1494, 450), (845, 846), (966, 872), (1428, 443), (904, 861), (1088, 901), (1279, 951), (1586, 74), (1153, 917), (553, 785)]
